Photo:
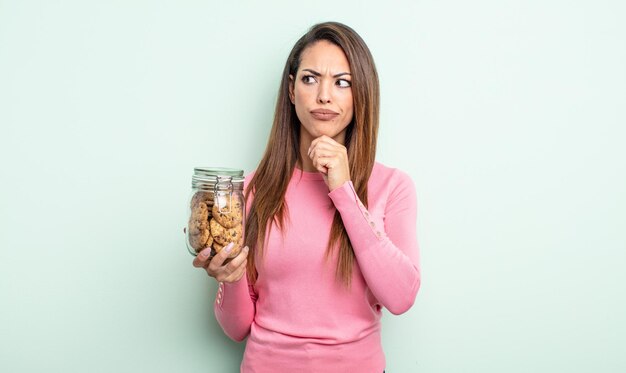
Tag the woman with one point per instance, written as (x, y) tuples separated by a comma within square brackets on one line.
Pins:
[(330, 233)]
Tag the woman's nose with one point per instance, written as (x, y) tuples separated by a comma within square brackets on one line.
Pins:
[(323, 95)]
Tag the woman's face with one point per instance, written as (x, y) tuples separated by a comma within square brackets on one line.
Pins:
[(322, 92)]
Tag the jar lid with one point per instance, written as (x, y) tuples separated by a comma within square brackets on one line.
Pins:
[(209, 175)]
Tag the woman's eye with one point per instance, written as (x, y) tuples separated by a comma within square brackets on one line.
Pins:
[(344, 83), (308, 79)]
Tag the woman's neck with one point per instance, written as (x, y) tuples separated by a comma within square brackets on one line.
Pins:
[(307, 163)]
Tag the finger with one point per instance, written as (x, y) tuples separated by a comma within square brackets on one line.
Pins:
[(236, 262), (238, 273), (224, 273), (321, 140), (324, 164), (319, 166), (322, 149), (325, 151), (328, 150), (233, 268), (237, 276), (218, 260), (315, 141), (203, 258), (324, 138)]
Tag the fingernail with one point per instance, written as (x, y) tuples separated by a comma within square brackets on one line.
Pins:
[(246, 249), (229, 247), (206, 253)]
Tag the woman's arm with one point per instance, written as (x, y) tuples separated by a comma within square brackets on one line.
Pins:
[(388, 256), (235, 302), (235, 308)]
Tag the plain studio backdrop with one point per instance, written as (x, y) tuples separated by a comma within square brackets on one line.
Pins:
[(509, 116)]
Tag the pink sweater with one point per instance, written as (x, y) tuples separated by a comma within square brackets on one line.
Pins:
[(297, 317)]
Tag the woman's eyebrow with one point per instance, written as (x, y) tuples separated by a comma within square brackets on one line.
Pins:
[(318, 74)]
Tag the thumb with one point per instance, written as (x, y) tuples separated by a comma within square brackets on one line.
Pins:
[(222, 255)]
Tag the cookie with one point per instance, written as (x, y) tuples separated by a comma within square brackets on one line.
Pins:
[(210, 241), (197, 226), (200, 211), (206, 197), (235, 251), (223, 235), (228, 211), (199, 241)]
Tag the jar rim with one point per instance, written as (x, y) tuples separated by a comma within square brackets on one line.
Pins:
[(221, 171), (209, 175)]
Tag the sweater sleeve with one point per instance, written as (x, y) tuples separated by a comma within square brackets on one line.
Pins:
[(388, 256), (235, 308)]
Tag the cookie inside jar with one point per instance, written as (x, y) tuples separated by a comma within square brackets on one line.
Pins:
[(226, 223), (217, 209), (199, 233)]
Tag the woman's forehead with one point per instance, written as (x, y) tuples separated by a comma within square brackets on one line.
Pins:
[(324, 57)]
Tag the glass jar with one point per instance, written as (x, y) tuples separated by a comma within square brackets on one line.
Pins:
[(217, 210)]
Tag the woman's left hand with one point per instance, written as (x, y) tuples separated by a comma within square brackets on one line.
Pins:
[(331, 159)]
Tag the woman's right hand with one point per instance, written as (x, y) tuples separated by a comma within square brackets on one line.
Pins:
[(231, 272)]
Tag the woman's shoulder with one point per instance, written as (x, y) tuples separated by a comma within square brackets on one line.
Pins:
[(249, 176), (389, 175), (391, 182)]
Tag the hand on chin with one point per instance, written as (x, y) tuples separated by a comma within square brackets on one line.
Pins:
[(331, 159)]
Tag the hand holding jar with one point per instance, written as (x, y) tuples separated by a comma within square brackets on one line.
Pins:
[(215, 267), (215, 230)]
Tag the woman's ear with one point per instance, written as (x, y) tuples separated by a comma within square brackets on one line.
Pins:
[(291, 88)]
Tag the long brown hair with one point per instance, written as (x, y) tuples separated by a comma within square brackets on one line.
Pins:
[(269, 183)]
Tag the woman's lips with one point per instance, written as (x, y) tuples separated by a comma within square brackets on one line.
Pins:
[(323, 114)]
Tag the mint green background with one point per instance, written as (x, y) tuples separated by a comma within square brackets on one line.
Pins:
[(509, 115)]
